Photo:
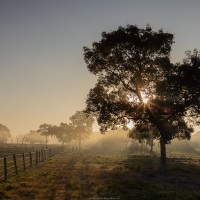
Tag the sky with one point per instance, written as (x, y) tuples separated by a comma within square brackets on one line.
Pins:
[(43, 76)]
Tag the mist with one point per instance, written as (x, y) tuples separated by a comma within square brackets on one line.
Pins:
[(117, 141), (111, 141)]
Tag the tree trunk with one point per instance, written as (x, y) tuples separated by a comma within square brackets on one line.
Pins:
[(163, 133), (46, 141), (126, 145), (79, 144), (163, 157), (151, 146), (142, 148)]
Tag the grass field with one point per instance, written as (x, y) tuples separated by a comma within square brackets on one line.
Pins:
[(84, 175)]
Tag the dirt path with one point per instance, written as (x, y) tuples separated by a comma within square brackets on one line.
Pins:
[(83, 175)]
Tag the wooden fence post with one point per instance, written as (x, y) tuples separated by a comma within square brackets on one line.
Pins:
[(30, 159), (24, 162), (47, 154), (42, 152), (15, 164), (51, 152), (39, 156), (5, 169), (36, 157)]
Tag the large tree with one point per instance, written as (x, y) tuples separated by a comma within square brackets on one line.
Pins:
[(134, 75), (81, 125)]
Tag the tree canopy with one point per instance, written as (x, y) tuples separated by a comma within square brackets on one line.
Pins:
[(137, 82), (79, 128)]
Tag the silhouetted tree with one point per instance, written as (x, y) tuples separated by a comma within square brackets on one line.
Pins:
[(81, 124), (4, 134), (133, 64)]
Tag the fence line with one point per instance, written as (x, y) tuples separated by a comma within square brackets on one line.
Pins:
[(12, 165)]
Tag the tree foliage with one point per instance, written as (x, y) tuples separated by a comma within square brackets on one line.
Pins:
[(132, 63)]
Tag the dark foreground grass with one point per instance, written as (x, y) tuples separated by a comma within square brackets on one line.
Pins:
[(85, 175)]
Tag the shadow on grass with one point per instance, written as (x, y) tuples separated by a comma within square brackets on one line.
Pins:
[(90, 175), (137, 177)]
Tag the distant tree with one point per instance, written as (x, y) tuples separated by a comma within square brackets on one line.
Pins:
[(144, 134), (136, 82), (44, 129), (63, 133), (35, 137), (81, 124), (4, 134), (19, 138)]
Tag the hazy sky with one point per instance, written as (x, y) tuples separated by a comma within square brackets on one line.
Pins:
[(43, 76)]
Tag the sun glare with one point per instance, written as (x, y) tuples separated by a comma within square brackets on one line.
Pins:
[(130, 125), (144, 98)]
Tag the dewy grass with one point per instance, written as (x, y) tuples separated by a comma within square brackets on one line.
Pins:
[(87, 175)]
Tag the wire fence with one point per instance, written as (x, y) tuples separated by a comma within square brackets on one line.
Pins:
[(12, 165)]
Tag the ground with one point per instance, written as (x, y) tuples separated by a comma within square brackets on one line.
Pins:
[(85, 175)]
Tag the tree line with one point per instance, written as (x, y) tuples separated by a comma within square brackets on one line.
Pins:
[(79, 128)]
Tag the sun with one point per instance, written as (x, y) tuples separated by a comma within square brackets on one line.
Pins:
[(131, 99), (144, 98)]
